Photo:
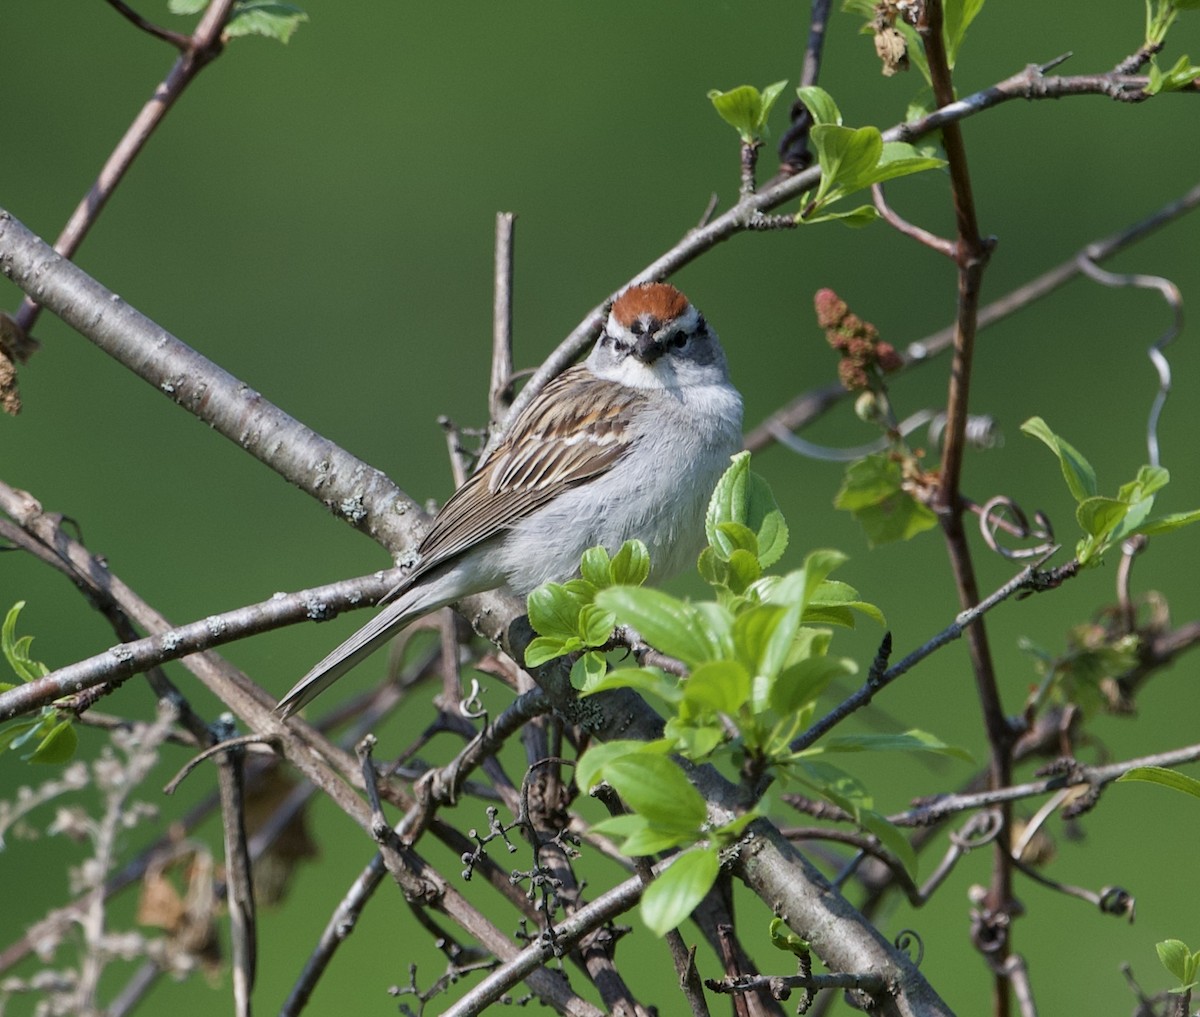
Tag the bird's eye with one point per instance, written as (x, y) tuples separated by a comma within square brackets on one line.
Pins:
[(680, 340)]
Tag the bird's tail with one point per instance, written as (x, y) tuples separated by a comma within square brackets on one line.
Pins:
[(351, 653)]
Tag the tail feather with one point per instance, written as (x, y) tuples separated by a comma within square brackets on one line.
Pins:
[(433, 590), (350, 654)]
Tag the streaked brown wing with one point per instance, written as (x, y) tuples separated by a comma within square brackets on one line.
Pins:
[(577, 429)]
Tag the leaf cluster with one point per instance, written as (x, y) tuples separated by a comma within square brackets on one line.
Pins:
[(1106, 520), (52, 736), (757, 659), (746, 109), (1181, 962), (851, 159)]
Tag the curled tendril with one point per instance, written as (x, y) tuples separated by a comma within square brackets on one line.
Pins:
[(472, 706), (981, 829), (905, 939), (1170, 293), (1002, 513), (981, 432)]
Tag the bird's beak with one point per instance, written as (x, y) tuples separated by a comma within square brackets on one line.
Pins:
[(648, 348)]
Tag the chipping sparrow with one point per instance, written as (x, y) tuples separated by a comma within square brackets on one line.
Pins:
[(629, 443)]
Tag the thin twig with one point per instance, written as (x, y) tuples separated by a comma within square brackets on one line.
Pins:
[(177, 39), (566, 934), (121, 662), (939, 807), (46, 539), (780, 986), (1030, 578), (239, 893), (902, 225), (227, 744), (794, 154), (500, 390)]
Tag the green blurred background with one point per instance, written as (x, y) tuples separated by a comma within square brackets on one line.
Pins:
[(318, 219)]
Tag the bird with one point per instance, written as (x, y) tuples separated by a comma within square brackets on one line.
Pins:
[(627, 444)]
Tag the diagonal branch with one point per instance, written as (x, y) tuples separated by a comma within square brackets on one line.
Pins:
[(348, 487)]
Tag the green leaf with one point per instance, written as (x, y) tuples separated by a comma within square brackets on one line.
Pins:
[(1100, 516), (588, 672), (666, 623), (742, 496), (16, 731), (849, 793), (186, 6), (589, 770), (595, 625), (742, 569), (818, 565), (820, 104), (1181, 75), (544, 648), (891, 837), (733, 537), (631, 566), (639, 836), (763, 637), (1178, 960), (554, 610), (908, 741), (644, 679), (769, 95), (694, 741), (267, 18), (855, 218), (594, 567), (1078, 472), (873, 493), (655, 787), (832, 602), (678, 891), (1165, 524), (16, 651), (1164, 777), (58, 745), (1149, 480), (958, 17), (746, 109), (900, 159), (783, 938), (847, 156), (722, 686), (805, 680)]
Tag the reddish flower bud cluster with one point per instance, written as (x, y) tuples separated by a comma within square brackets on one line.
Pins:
[(856, 340)]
